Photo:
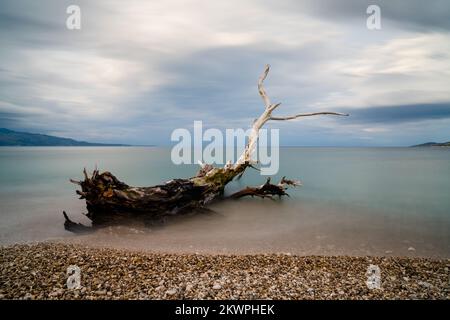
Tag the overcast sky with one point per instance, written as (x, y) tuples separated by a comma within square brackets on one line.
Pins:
[(137, 70)]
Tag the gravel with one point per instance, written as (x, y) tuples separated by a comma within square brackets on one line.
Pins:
[(38, 271)]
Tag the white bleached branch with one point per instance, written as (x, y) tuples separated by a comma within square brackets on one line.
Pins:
[(308, 115), (266, 116)]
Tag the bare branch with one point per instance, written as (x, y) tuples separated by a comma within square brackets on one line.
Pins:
[(287, 182), (261, 90), (309, 115), (69, 225), (274, 106), (246, 156), (267, 190), (75, 182)]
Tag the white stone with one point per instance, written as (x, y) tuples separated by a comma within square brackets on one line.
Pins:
[(171, 292)]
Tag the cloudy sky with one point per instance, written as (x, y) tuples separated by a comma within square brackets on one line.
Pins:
[(137, 70)]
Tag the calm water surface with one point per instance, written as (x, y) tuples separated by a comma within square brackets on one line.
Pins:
[(358, 201)]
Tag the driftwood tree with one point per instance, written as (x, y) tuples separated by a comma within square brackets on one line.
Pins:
[(110, 201)]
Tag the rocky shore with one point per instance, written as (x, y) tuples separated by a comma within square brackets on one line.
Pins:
[(38, 271)]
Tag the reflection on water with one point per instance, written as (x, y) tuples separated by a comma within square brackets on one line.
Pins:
[(382, 201)]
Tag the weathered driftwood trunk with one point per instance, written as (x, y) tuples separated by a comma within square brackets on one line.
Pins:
[(110, 201)]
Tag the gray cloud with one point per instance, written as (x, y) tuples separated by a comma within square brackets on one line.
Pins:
[(136, 71), (411, 14), (400, 113)]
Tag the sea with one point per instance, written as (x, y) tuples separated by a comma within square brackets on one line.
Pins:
[(353, 201)]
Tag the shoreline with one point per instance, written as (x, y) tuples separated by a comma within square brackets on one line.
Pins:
[(38, 271)]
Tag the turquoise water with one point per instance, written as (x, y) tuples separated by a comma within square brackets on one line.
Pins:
[(353, 201)]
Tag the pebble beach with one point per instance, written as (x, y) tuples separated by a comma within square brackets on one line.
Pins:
[(38, 271)]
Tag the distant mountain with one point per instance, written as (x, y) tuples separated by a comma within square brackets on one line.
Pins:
[(13, 138), (433, 144)]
